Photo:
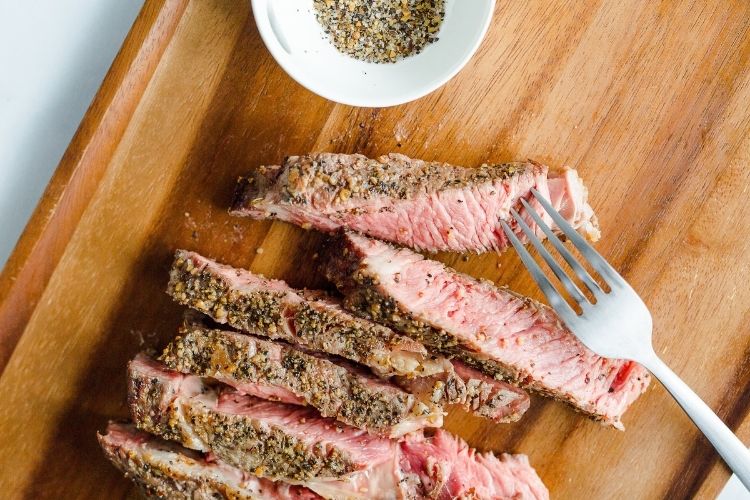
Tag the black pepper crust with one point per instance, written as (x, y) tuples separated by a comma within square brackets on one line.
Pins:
[(195, 286), (157, 479), (247, 188), (146, 397), (380, 31), (332, 389), (439, 389), (266, 451), (473, 395), (240, 440), (345, 179), (364, 296), (308, 319)]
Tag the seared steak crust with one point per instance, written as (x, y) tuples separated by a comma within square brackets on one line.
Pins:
[(272, 451), (424, 205), (267, 439), (364, 296), (344, 177), (166, 470), (335, 391), (270, 308), (312, 319), (475, 392), (439, 466), (489, 328)]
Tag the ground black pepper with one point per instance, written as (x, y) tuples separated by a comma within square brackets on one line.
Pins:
[(380, 31), (353, 398), (305, 318)]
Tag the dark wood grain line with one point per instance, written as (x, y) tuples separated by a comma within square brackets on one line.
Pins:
[(362, 140), (688, 479), (670, 187)]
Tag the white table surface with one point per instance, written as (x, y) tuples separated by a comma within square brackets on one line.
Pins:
[(53, 57)]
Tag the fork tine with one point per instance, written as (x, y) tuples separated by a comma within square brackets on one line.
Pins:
[(553, 296), (569, 285), (580, 271), (596, 260)]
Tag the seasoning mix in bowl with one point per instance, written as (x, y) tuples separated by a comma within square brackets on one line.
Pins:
[(372, 53), (380, 31)]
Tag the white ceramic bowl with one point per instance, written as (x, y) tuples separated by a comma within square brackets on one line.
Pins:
[(297, 42)]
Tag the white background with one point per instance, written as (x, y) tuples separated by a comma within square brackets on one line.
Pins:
[(53, 57)]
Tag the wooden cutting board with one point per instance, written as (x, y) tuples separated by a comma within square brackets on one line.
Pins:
[(649, 100)]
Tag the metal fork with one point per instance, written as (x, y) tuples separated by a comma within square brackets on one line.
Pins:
[(618, 324)]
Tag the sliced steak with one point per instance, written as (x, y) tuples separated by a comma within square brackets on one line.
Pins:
[(333, 387), (448, 468), (440, 466), (491, 398), (435, 467), (476, 392), (163, 469), (271, 308), (490, 328), (436, 388), (273, 440), (424, 205)]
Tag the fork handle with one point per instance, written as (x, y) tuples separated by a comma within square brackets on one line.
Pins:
[(727, 444)]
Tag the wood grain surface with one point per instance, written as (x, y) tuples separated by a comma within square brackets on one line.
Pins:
[(648, 100)]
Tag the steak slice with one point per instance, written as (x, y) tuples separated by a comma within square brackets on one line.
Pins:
[(448, 468), (435, 467), (166, 470), (336, 389), (271, 308), (273, 440), (491, 398), (440, 466), (490, 328), (441, 384), (478, 393), (424, 205)]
